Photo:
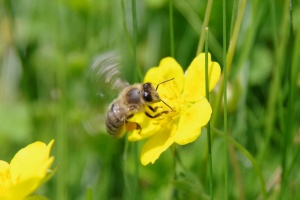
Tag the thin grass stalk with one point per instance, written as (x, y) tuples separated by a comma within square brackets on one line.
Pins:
[(204, 25), (274, 95), (172, 50), (128, 189), (257, 15), (234, 14), (171, 25), (135, 144), (125, 27), (61, 139), (236, 30), (134, 38), (61, 129), (290, 109), (136, 170), (225, 103), (229, 57), (89, 193), (211, 187), (196, 23), (294, 72), (248, 155), (270, 110)]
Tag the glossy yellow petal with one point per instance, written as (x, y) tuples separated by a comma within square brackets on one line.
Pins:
[(147, 127), (21, 189), (168, 68), (194, 88), (31, 161), (4, 177), (191, 121), (3, 166), (157, 144)]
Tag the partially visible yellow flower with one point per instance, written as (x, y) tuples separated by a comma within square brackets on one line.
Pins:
[(186, 95), (26, 171)]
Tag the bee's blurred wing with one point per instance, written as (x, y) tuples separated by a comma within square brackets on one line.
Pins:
[(106, 67)]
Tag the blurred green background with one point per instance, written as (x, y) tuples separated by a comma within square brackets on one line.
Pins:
[(48, 91)]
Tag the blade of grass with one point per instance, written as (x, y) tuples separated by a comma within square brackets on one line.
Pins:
[(204, 25), (229, 57), (61, 132), (89, 193), (293, 73), (195, 21), (128, 189), (171, 28), (125, 27), (172, 49), (234, 15), (208, 124), (290, 105), (225, 102), (250, 158), (275, 97), (135, 144), (134, 39)]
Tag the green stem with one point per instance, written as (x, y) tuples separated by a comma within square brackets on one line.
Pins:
[(128, 191), (175, 157), (251, 159), (138, 75), (195, 21), (204, 25), (135, 145), (125, 28), (172, 50), (225, 102), (171, 21), (136, 169), (208, 124), (229, 58), (290, 109), (89, 193)]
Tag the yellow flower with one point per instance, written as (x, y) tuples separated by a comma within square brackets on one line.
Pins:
[(186, 96), (26, 171)]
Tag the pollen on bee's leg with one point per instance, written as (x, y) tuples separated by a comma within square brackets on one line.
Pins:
[(131, 126)]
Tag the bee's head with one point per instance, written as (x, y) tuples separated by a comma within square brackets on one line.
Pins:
[(150, 95)]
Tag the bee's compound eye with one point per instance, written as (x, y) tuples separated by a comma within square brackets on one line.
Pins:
[(147, 92)]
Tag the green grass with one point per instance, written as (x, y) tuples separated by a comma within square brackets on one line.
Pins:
[(47, 91)]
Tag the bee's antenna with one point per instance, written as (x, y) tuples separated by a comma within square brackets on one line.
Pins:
[(162, 83), (167, 104)]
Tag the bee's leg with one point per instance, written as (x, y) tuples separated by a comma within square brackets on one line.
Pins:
[(130, 116), (139, 128), (157, 115), (131, 126), (154, 109)]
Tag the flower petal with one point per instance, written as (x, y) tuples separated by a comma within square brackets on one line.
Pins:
[(191, 121), (31, 161), (4, 166), (21, 189), (194, 88), (157, 144), (168, 68), (146, 124)]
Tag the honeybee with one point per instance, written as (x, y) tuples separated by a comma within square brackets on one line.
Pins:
[(131, 99)]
